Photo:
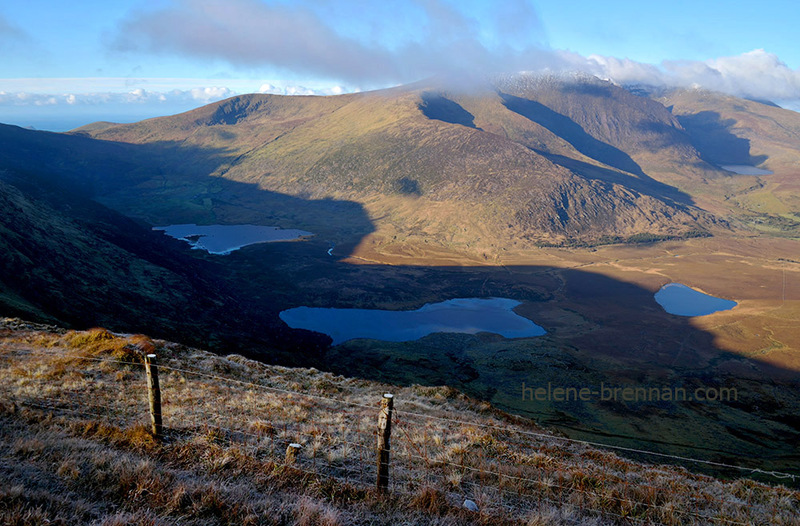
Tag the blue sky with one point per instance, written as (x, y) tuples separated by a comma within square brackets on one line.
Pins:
[(66, 64)]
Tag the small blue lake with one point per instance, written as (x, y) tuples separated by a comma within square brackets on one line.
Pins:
[(463, 315), (681, 300), (224, 239)]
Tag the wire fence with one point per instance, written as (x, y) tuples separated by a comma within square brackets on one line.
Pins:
[(496, 466)]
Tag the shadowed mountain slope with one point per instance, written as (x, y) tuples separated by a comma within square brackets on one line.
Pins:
[(729, 131), (70, 260), (732, 131), (737, 130), (607, 123)]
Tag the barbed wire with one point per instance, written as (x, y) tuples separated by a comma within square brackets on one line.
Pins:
[(573, 489), (776, 474), (321, 431), (772, 473)]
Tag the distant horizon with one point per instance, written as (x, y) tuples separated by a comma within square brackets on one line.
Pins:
[(42, 107), (73, 116)]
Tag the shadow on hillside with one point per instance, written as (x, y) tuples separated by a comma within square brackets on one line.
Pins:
[(88, 265), (436, 106), (715, 141), (572, 132), (159, 182), (408, 186), (643, 184), (601, 331)]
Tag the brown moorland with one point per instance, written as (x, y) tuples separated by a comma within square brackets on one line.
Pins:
[(75, 449)]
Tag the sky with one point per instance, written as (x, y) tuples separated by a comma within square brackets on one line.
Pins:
[(65, 64)]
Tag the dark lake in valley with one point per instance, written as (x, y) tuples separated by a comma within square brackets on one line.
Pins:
[(463, 315)]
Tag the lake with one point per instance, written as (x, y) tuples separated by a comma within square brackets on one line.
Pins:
[(745, 169), (224, 239), (681, 300), (462, 315)]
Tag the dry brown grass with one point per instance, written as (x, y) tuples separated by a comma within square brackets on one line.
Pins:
[(101, 342), (75, 435)]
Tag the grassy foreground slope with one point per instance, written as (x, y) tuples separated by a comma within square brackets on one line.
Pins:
[(75, 449)]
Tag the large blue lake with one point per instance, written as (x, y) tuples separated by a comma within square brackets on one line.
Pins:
[(224, 239), (679, 299), (464, 315)]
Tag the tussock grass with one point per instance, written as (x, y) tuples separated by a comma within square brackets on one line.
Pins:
[(75, 447), (101, 342)]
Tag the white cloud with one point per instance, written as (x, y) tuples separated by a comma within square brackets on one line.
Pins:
[(137, 95), (54, 92), (298, 90), (269, 88), (755, 74), (302, 90), (624, 71), (207, 95), (45, 101)]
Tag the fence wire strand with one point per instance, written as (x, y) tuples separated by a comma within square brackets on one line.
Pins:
[(339, 442)]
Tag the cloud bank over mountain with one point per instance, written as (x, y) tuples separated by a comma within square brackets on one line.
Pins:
[(306, 39), (756, 74)]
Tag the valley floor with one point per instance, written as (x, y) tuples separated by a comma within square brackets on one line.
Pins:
[(761, 273)]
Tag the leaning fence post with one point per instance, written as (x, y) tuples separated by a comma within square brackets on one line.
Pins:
[(384, 434), (291, 453), (154, 394)]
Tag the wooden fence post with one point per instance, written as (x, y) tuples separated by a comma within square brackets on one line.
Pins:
[(291, 453), (154, 394), (384, 434)]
